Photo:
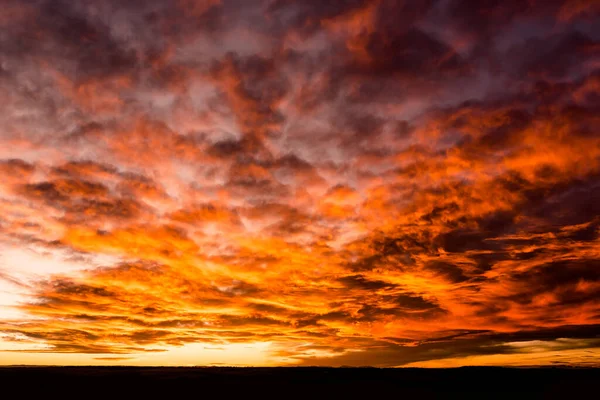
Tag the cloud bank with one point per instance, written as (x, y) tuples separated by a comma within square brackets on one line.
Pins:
[(333, 183)]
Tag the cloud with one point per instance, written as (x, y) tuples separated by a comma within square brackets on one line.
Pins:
[(359, 282), (338, 183), (471, 344)]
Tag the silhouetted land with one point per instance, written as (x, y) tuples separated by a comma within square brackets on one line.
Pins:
[(224, 382)]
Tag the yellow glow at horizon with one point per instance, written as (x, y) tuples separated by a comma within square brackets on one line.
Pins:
[(195, 354)]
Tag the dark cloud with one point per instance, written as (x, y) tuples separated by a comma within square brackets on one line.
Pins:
[(413, 302), (252, 85), (268, 308), (474, 343), (573, 203), (584, 234), (461, 240), (307, 16), (253, 320), (82, 200), (557, 57), (449, 271), (360, 282), (407, 54), (71, 34), (59, 191), (561, 279), (16, 168)]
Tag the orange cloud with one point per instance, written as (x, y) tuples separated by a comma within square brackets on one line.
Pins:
[(361, 182)]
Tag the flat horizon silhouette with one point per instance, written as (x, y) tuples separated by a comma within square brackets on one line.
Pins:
[(466, 382)]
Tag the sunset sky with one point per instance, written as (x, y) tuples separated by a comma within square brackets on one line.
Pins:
[(311, 182)]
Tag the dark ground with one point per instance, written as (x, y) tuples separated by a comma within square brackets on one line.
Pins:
[(307, 382)]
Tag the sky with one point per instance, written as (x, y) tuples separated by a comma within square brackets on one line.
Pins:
[(275, 182)]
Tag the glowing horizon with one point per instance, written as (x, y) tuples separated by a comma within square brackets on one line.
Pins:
[(277, 182)]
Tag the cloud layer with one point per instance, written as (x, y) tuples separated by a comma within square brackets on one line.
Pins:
[(332, 183)]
